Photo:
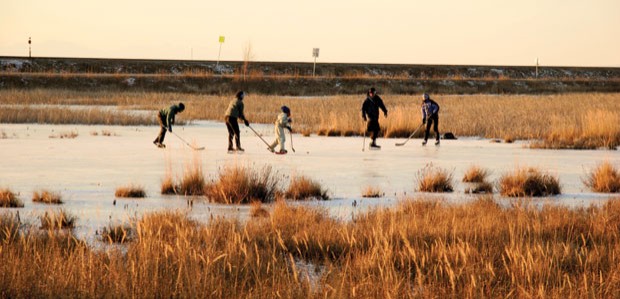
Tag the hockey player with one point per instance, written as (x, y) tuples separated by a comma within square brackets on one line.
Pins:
[(234, 112), (430, 117), (370, 113), (166, 120), (282, 122)]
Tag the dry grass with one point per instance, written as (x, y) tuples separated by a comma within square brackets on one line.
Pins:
[(257, 210), (528, 182), (302, 187), (475, 174), (594, 129), (604, 178), (434, 179), (118, 233), (65, 135), (9, 228), (237, 184), (420, 249), (8, 199), (372, 191), (46, 196), (521, 117), (131, 191), (59, 219), (192, 181), (480, 188)]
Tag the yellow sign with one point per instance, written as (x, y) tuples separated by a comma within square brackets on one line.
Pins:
[(221, 38)]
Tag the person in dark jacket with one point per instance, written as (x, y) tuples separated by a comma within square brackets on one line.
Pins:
[(166, 120), (430, 117), (370, 113), (234, 112)]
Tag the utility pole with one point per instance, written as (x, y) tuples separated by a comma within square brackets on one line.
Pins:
[(315, 54), (537, 67), (29, 47)]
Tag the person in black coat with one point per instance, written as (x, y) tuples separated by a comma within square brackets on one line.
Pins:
[(370, 114)]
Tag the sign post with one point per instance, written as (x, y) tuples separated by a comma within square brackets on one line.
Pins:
[(29, 47), (536, 67), (315, 54), (222, 38)]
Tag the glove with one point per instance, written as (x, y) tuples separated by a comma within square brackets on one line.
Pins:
[(424, 121), (247, 123), (385, 113), (290, 120), (289, 129)]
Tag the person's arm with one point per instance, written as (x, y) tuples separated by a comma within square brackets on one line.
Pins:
[(241, 115), (382, 106), (364, 111), (423, 114)]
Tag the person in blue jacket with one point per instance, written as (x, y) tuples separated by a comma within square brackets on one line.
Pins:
[(430, 117)]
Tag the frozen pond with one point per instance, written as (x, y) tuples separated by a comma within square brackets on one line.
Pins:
[(87, 170)]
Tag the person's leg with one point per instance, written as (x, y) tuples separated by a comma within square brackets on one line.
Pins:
[(231, 133), (428, 129), (282, 140), (235, 126), (436, 126), (162, 132)]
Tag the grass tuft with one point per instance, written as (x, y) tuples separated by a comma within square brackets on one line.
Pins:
[(302, 187), (528, 182), (475, 174), (8, 199), (117, 234), (372, 192), (243, 185), (434, 179), (46, 196), (130, 191), (604, 178), (57, 220)]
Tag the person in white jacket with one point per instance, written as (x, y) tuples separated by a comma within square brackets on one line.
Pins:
[(282, 122)]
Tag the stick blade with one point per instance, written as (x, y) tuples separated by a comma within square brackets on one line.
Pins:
[(199, 148), (399, 144)]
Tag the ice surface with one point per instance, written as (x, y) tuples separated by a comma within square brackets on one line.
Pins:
[(88, 169)]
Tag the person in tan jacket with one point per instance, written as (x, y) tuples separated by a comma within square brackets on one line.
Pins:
[(234, 112), (282, 122)]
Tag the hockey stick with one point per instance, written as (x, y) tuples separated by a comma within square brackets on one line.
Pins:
[(187, 143), (364, 143), (403, 143), (261, 138), (291, 134)]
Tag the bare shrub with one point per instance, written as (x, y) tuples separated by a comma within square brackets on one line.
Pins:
[(130, 191), (528, 182), (59, 219), (434, 179), (8, 199), (243, 185), (372, 191), (46, 196), (302, 187), (604, 178)]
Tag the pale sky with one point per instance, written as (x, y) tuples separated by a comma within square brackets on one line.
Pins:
[(483, 32)]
